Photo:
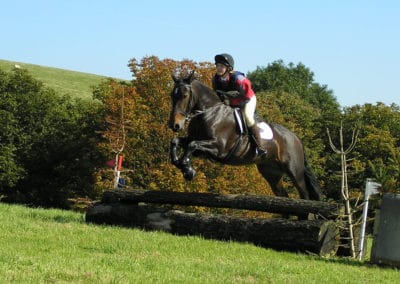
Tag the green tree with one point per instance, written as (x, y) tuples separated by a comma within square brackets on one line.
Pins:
[(10, 170), (378, 146), (299, 80), (279, 77), (46, 142)]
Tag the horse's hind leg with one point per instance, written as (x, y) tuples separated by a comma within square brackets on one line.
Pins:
[(274, 179), (300, 184), (306, 183)]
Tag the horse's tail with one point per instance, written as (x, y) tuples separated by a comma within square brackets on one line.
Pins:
[(312, 184)]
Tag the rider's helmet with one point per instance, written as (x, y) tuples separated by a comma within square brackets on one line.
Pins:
[(225, 59)]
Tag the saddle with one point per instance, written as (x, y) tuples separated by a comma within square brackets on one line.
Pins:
[(241, 126), (242, 129)]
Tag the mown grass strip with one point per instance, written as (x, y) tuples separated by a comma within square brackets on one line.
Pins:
[(63, 81)]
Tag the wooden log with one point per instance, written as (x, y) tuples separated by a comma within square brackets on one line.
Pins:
[(319, 237), (272, 204)]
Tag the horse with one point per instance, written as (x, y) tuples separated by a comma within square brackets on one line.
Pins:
[(212, 130)]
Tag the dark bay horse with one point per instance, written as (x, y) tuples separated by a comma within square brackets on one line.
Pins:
[(212, 130)]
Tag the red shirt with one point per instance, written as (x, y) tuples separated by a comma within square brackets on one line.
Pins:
[(235, 82)]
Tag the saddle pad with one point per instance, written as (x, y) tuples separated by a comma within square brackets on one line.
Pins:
[(265, 131)]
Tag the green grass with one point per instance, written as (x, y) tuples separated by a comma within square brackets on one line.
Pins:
[(63, 81), (38, 246)]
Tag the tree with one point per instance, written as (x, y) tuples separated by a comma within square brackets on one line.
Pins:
[(46, 142), (278, 77), (130, 138), (378, 146), (10, 169), (298, 80), (344, 189)]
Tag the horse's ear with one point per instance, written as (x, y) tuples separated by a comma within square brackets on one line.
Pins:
[(192, 76), (174, 77)]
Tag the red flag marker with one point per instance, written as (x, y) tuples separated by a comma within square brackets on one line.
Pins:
[(120, 157)]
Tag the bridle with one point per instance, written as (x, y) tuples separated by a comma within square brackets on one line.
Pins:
[(187, 113)]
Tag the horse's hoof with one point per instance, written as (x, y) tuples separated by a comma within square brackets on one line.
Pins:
[(189, 174)]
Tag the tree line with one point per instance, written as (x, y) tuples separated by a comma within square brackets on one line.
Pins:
[(54, 148)]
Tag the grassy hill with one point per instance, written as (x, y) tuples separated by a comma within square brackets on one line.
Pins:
[(40, 246), (63, 81)]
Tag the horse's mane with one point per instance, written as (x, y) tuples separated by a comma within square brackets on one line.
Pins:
[(219, 107), (204, 88)]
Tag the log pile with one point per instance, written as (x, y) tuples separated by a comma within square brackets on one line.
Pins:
[(264, 203), (138, 209)]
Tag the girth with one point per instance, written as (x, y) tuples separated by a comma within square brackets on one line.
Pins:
[(242, 130)]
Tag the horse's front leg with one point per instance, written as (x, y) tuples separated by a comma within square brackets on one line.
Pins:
[(206, 146), (173, 150)]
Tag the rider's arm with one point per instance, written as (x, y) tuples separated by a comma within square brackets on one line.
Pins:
[(244, 87)]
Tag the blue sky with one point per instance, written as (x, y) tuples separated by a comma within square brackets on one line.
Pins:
[(352, 46)]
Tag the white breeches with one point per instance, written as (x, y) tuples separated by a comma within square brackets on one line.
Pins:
[(248, 110)]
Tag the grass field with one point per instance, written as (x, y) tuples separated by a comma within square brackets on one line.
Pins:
[(63, 81), (40, 246)]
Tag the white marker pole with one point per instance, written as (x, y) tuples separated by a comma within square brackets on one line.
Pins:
[(370, 188)]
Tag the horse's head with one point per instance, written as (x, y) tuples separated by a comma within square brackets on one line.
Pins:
[(182, 101)]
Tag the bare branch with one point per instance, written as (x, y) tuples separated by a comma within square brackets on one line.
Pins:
[(344, 186)]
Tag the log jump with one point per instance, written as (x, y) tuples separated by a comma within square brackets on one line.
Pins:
[(263, 203), (135, 208)]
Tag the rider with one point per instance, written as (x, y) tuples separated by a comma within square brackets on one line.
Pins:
[(225, 81)]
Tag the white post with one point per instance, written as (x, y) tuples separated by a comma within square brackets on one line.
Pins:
[(363, 225), (370, 188)]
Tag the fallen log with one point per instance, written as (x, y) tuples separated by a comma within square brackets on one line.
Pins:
[(272, 204), (319, 237)]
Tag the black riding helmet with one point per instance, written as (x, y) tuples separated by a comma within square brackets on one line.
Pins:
[(225, 59)]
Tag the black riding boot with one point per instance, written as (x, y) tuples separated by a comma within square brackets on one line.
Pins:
[(255, 132)]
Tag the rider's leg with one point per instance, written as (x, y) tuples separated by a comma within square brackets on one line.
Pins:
[(255, 131), (248, 110)]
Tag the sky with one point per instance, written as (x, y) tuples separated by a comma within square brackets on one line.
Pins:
[(352, 46)]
